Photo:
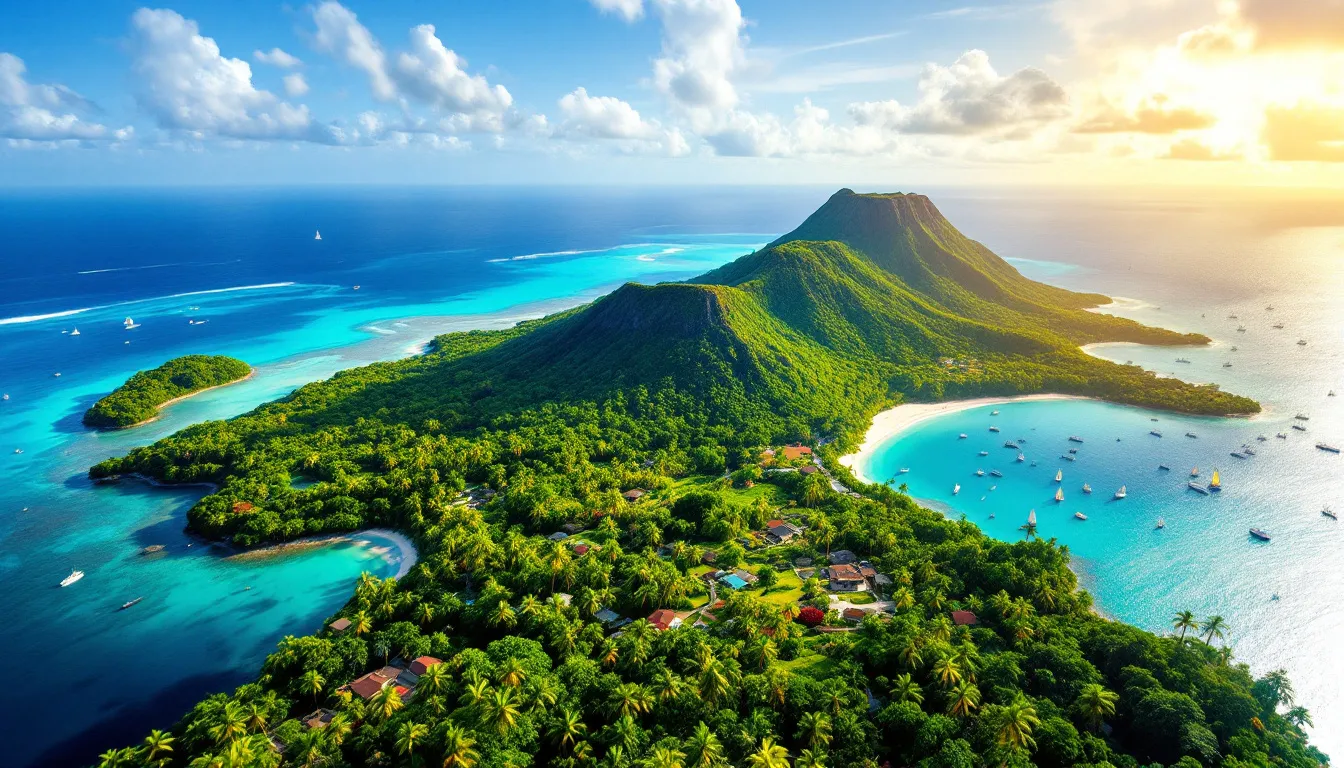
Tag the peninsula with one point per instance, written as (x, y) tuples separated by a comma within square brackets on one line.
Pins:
[(140, 398), (663, 462)]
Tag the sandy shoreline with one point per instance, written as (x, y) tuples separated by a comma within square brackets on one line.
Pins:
[(158, 410), (894, 421), (409, 556)]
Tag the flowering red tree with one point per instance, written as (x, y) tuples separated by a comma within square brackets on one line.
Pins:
[(811, 617)]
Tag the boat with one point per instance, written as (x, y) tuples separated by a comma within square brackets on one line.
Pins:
[(1059, 494), (1241, 329), (962, 436), (1073, 450), (1260, 534), (1068, 457), (1031, 521), (75, 332), (993, 413), (1154, 433), (1302, 417), (1279, 326), (318, 236), (1194, 472), (18, 450), (1261, 438), (1011, 444), (995, 473), (1215, 483), (1227, 365), (1033, 463), (57, 374), (128, 324), (993, 428), (1238, 455), (128, 604), (1269, 308), (903, 470), (956, 489), (356, 288), (1087, 488), (1231, 317), (1191, 434), (984, 453), (1330, 513), (1075, 439), (1163, 468), (1161, 523), (992, 487), (1301, 342), (1020, 457), (1059, 476), (1299, 428), (1120, 494), (1282, 435), (151, 549), (1327, 447), (1182, 359), (1248, 450), (5, 396), (1080, 515), (979, 473), (75, 575), (1192, 485)]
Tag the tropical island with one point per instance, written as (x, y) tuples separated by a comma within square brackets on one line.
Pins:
[(140, 398), (638, 547)]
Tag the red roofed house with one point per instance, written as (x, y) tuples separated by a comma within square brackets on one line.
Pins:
[(810, 469), (665, 619), (795, 451), (581, 550), (340, 625), (846, 578), (853, 614), (240, 507), (422, 664), (964, 618), (369, 685)]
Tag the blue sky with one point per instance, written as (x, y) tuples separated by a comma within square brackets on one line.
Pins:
[(603, 91)]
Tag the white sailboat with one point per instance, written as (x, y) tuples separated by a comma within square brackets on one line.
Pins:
[(1031, 522), (128, 324), (1120, 494), (75, 332), (318, 236), (956, 489), (1161, 523)]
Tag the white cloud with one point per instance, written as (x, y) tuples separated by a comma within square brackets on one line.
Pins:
[(437, 76), (295, 85), (340, 34), (810, 132), (626, 9), (607, 117), (43, 113), (702, 48), (188, 86), (970, 97), (277, 58)]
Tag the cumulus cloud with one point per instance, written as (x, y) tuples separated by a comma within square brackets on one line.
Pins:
[(374, 129), (340, 34), (702, 47), (626, 9), (188, 86), (1156, 116), (295, 85), (44, 113), (810, 132), (1193, 149), (1305, 132), (970, 97), (276, 58), (435, 75), (607, 117)]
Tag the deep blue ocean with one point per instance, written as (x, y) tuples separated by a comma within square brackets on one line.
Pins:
[(245, 262)]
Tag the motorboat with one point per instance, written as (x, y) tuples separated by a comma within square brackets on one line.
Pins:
[(1191, 434), (1182, 359), (1282, 435), (903, 470), (993, 429), (984, 453), (1010, 444), (1301, 342), (1068, 457), (1227, 365), (995, 473), (1120, 494), (1192, 485), (1299, 428), (75, 575), (1330, 513), (1161, 523), (1279, 326), (962, 436), (1087, 488), (1154, 433), (130, 603), (1260, 534), (1261, 438), (1075, 439), (1163, 468), (1238, 455), (1327, 447), (1079, 516), (979, 473), (956, 489), (1302, 417), (1021, 458), (1073, 450), (993, 413)]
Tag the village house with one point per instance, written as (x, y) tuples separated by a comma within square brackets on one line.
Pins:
[(339, 625), (634, 494), (853, 615), (780, 532), (423, 663), (318, 719), (558, 536), (367, 686), (607, 616), (810, 469), (846, 578), (964, 619), (843, 556), (795, 451), (664, 619)]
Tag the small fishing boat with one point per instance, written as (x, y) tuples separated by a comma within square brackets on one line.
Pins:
[(75, 575), (1238, 455), (1075, 439), (1192, 485), (1068, 457), (962, 436), (1010, 444), (979, 473), (1327, 447), (1191, 434), (128, 324), (5, 396), (902, 470), (993, 428), (1031, 521), (1260, 534), (993, 413), (956, 489), (1279, 326), (1330, 513), (1073, 450), (1163, 468), (1154, 433), (1301, 342), (1216, 482), (1120, 494), (984, 453), (1234, 349), (1299, 428), (1227, 365), (995, 473), (1182, 360), (57, 374), (1261, 438), (1241, 329), (1282, 435), (130, 603), (1302, 417), (356, 287), (1087, 488), (1033, 463), (1059, 476), (1248, 450), (1020, 457), (75, 332), (318, 236), (1231, 317), (1059, 494), (18, 450), (1161, 523), (1079, 516), (1194, 472)]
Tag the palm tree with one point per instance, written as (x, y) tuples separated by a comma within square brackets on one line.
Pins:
[(257, 716), (434, 681), (306, 751), (386, 702), (157, 743), (1299, 717), (1214, 626), (765, 651), (1015, 723), (904, 688), (815, 728), (475, 693), (1094, 704), (770, 755), (232, 724), (568, 728), (511, 672), (338, 728), (409, 735), (503, 615), (911, 654), (313, 682), (459, 748), (1184, 620), (904, 598), (361, 623), (947, 671), (501, 710), (630, 699), (424, 613), (715, 682), (668, 684), (962, 699), (664, 757), (705, 749), (810, 759), (117, 758)]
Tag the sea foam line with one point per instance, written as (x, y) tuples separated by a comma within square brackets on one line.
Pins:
[(69, 312)]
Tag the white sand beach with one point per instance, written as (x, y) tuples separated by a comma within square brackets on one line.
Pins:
[(409, 555), (894, 421)]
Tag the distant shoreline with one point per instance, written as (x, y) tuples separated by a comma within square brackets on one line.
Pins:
[(894, 421)]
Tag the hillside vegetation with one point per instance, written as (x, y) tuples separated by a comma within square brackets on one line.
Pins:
[(496, 440), (139, 399)]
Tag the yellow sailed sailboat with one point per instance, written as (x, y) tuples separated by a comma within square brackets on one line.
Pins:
[(1215, 484), (1059, 494)]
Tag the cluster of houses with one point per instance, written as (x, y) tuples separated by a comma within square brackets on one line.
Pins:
[(847, 573), (397, 674), (963, 364)]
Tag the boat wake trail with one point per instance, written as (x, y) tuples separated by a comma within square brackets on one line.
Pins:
[(69, 312)]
